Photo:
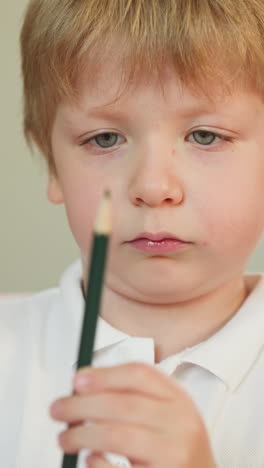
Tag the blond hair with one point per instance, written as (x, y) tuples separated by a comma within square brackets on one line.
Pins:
[(201, 38)]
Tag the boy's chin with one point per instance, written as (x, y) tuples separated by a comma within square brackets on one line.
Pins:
[(154, 291), (161, 295)]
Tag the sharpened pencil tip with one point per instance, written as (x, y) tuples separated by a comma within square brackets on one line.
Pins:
[(103, 221)]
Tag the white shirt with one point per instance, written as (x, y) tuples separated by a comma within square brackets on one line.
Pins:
[(39, 339)]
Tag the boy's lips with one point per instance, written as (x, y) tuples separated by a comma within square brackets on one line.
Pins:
[(160, 242), (158, 236)]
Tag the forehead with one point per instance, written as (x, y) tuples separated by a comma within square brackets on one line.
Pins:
[(108, 88), (110, 68)]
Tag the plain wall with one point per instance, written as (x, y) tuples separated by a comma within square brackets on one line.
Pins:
[(35, 242)]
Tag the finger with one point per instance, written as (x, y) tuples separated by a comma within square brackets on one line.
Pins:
[(137, 377), (119, 407), (139, 445)]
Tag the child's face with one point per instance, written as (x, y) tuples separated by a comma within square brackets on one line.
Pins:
[(164, 175)]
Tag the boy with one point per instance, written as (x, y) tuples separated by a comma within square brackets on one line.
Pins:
[(162, 102)]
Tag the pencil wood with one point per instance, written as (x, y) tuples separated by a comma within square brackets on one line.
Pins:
[(93, 299), (93, 296), (103, 222)]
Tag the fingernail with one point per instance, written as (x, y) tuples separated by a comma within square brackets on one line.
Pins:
[(83, 381)]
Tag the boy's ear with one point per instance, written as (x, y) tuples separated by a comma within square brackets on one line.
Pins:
[(54, 193)]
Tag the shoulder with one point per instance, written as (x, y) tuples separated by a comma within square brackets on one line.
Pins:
[(42, 309), (43, 324), (20, 307), (24, 321)]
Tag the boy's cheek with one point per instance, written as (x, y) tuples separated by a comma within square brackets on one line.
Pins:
[(81, 216)]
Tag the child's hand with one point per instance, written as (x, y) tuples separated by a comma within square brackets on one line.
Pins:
[(137, 412)]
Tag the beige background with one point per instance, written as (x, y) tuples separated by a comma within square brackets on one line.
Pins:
[(35, 242)]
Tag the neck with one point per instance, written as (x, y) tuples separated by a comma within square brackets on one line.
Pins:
[(175, 327)]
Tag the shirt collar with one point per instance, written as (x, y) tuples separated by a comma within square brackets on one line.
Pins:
[(228, 354), (231, 352), (72, 304)]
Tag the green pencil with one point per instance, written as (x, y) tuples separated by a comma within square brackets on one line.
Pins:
[(93, 295)]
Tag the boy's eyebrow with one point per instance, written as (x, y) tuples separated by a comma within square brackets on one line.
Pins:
[(106, 112), (96, 112), (185, 112)]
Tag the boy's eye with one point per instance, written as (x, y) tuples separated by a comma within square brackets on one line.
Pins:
[(106, 140), (103, 140), (203, 137)]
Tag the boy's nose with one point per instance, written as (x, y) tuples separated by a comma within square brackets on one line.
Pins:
[(153, 184)]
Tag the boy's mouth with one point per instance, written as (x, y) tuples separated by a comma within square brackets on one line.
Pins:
[(158, 236), (160, 242)]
